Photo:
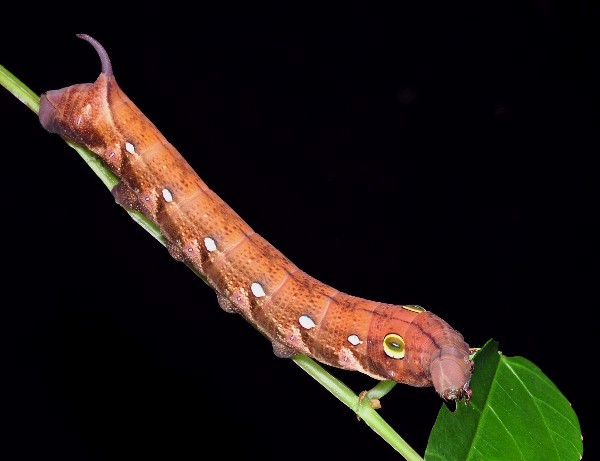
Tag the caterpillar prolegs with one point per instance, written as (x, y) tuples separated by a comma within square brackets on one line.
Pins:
[(296, 312)]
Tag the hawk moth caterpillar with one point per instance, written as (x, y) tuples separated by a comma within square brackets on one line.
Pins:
[(296, 312)]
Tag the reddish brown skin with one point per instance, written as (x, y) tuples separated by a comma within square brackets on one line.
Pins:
[(101, 117)]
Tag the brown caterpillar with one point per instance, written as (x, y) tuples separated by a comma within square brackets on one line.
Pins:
[(296, 312)]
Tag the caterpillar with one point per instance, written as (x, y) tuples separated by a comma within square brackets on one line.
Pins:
[(296, 312)]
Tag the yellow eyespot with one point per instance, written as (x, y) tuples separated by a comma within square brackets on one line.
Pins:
[(413, 308), (393, 346)]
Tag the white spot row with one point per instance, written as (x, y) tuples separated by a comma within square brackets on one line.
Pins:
[(167, 195), (306, 322), (354, 340), (210, 244), (257, 290), (130, 148)]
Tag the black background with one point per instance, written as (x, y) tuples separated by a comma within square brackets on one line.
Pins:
[(434, 154)]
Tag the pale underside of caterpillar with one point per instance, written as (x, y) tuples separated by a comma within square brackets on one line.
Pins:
[(297, 313)]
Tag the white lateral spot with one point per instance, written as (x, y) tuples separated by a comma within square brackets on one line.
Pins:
[(307, 322), (354, 340), (130, 148), (78, 122), (147, 198), (167, 195), (257, 290), (111, 154), (211, 245)]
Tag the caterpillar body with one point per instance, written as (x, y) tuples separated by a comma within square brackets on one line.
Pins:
[(296, 312)]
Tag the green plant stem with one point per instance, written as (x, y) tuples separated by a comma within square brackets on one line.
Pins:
[(360, 407)]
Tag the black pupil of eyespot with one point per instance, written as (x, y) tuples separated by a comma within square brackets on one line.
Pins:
[(394, 344)]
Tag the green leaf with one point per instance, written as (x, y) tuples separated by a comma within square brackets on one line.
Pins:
[(515, 413)]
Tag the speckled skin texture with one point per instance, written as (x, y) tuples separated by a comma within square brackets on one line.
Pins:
[(296, 312)]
